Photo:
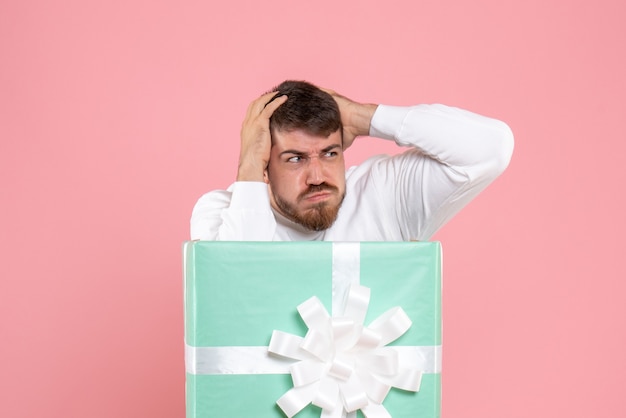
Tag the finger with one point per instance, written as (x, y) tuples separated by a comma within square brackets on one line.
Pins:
[(257, 105), (273, 105), (329, 91)]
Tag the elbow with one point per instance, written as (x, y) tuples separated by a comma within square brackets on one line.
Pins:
[(495, 155), (503, 146)]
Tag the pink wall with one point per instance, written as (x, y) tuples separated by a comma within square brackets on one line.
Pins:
[(116, 115)]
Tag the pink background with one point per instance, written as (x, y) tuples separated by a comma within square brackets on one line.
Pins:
[(115, 116)]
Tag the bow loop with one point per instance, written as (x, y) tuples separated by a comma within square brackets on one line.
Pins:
[(391, 325), (306, 372), (313, 313)]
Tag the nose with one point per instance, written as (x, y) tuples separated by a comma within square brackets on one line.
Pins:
[(315, 172)]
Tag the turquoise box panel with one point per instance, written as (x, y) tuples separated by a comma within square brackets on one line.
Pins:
[(237, 293)]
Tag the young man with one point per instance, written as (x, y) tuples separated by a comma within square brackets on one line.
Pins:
[(292, 184)]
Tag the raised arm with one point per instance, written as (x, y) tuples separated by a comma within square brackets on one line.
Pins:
[(455, 155), (256, 139), (243, 212)]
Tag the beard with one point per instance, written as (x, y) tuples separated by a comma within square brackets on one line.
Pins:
[(319, 217)]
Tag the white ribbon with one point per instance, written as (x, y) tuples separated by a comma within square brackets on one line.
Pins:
[(255, 359), (342, 365)]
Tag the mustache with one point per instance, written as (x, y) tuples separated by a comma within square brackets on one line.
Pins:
[(316, 188)]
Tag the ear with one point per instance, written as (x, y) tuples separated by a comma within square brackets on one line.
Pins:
[(266, 179)]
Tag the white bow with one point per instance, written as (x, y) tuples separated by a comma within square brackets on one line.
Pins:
[(343, 365)]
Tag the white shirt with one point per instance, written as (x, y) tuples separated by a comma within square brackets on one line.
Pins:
[(453, 155)]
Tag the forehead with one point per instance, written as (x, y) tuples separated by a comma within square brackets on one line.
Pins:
[(299, 140)]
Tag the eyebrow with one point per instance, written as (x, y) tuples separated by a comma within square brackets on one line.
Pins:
[(297, 152)]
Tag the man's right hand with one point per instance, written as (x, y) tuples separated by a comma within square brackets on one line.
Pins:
[(256, 140)]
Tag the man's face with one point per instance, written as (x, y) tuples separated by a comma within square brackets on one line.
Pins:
[(306, 175)]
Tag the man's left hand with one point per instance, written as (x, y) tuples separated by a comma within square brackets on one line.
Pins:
[(355, 117)]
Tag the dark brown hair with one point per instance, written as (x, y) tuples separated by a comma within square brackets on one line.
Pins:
[(307, 108)]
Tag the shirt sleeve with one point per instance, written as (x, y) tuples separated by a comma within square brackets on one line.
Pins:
[(241, 213), (454, 154)]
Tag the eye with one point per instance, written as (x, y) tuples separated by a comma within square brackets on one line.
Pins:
[(331, 154), (294, 159)]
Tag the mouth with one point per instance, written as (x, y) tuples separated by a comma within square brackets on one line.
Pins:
[(317, 196), (318, 193)]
